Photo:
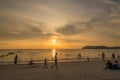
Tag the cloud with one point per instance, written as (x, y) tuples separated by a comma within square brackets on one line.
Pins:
[(71, 29), (107, 25), (75, 40), (112, 1), (35, 18), (3, 43), (113, 5), (15, 29)]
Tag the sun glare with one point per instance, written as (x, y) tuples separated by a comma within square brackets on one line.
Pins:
[(53, 41)]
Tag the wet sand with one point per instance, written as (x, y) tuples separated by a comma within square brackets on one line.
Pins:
[(93, 70)]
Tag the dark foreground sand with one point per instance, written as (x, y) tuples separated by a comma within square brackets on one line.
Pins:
[(93, 70)]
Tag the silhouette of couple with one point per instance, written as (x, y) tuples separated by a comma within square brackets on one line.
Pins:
[(55, 62), (110, 65)]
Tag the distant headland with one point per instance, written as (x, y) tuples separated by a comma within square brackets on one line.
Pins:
[(101, 47)]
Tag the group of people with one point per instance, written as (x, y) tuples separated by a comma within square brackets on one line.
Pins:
[(113, 56), (110, 65), (45, 64)]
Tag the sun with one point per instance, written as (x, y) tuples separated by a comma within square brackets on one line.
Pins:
[(53, 41)]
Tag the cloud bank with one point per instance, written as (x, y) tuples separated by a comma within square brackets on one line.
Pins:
[(74, 21)]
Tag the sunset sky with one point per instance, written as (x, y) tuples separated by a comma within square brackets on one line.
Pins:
[(35, 24)]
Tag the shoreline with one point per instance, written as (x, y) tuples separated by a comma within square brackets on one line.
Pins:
[(49, 62), (84, 70)]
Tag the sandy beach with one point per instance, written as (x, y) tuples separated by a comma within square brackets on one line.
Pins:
[(93, 70)]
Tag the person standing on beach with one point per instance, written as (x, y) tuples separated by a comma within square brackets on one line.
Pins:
[(79, 56), (113, 56), (56, 62), (103, 56), (45, 63), (16, 59)]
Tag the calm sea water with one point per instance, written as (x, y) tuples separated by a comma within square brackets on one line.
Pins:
[(63, 54)]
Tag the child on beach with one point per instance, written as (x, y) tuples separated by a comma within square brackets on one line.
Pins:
[(31, 62)]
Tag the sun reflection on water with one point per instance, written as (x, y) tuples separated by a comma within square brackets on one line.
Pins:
[(53, 53)]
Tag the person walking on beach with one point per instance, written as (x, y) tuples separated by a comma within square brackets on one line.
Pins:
[(16, 59), (113, 56), (56, 62), (45, 63), (103, 56)]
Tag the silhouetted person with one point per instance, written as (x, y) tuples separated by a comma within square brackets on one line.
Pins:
[(16, 59), (88, 59), (116, 65), (109, 65), (79, 55), (45, 63), (31, 62), (113, 56), (56, 62), (103, 56)]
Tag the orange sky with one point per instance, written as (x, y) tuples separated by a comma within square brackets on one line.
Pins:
[(30, 24)]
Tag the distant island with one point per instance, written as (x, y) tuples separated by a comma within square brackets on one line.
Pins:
[(100, 47)]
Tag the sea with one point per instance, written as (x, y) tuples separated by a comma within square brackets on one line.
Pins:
[(64, 55)]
